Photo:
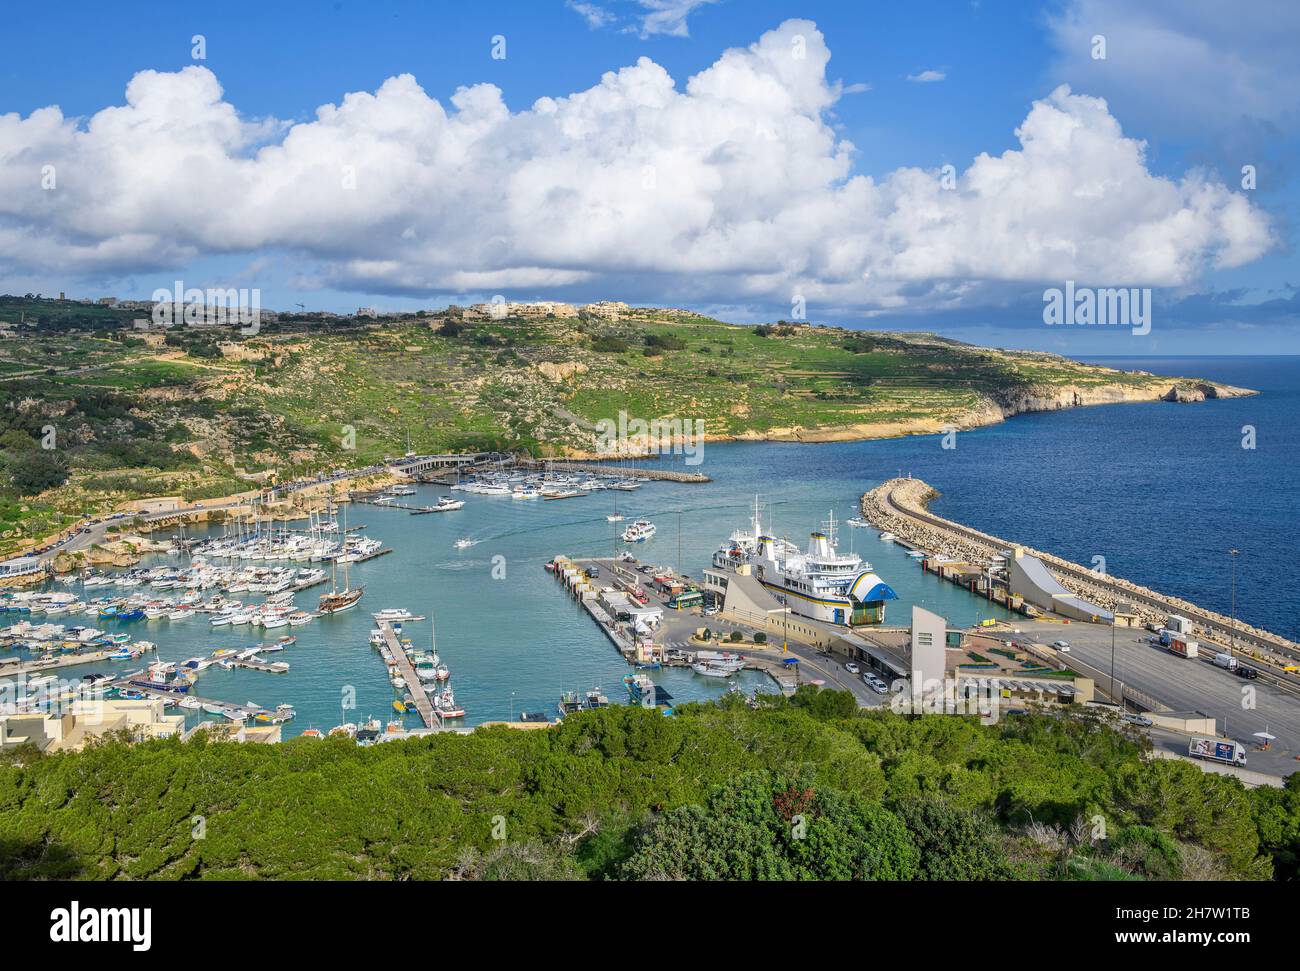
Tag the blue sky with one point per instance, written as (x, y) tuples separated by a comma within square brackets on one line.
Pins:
[(158, 194)]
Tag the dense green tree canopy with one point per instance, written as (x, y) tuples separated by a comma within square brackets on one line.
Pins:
[(804, 788)]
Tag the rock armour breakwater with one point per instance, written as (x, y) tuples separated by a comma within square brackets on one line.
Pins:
[(900, 506)]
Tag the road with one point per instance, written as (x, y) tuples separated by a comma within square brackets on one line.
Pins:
[(1188, 685)]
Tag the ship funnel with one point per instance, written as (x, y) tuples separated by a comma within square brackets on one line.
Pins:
[(820, 545), (767, 548)]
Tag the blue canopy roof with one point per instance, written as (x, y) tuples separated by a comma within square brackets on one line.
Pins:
[(869, 587)]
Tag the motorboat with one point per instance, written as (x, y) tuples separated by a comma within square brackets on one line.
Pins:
[(394, 613), (639, 531)]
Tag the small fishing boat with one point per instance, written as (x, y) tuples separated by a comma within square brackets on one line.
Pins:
[(710, 670), (445, 703), (572, 702), (311, 733)]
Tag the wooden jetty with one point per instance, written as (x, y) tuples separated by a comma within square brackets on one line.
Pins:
[(423, 706), (16, 665), (248, 711)]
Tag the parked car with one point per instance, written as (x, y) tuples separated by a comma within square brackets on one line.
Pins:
[(1062, 646), (875, 684), (1249, 674), (1135, 719), (850, 667)]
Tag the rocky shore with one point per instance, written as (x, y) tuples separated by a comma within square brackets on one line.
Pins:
[(990, 410)]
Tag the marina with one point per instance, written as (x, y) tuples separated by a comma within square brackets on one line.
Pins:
[(414, 686), (521, 647)]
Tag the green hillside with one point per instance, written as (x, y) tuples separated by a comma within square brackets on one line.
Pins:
[(196, 411)]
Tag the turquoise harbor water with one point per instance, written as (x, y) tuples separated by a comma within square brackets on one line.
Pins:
[(516, 642), (1161, 490)]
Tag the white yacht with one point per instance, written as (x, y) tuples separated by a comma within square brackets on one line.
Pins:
[(393, 613), (639, 531)]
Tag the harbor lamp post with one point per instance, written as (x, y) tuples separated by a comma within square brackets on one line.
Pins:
[(1112, 656), (1232, 642)]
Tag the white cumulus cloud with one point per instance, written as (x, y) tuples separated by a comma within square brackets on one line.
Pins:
[(733, 188)]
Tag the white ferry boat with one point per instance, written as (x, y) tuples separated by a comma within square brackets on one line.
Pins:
[(821, 583), (639, 531)]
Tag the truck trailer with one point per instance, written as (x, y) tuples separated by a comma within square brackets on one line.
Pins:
[(1217, 750), (1183, 647)]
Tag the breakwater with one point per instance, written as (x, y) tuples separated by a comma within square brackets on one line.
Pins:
[(900, 506)]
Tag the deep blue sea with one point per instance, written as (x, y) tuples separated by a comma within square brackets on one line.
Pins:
[(1162, 491)]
